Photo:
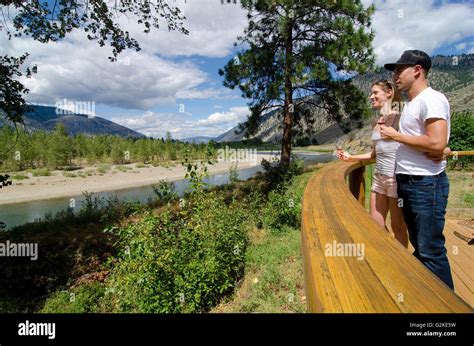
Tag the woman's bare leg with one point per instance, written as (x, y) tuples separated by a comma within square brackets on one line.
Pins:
[(379, 207), (398, 224)]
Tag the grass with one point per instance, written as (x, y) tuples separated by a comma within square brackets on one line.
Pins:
[(469, 199), (102, 169), (69, 174), (123, 168), (41, 172), (274, 279), (461, 197), (20, 177)]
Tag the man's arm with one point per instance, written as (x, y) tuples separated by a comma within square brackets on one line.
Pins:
[(433, 141)]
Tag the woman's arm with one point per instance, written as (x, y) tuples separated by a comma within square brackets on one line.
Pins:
[(348, 157)]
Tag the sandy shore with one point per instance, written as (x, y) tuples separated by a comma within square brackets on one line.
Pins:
[(57, 185)]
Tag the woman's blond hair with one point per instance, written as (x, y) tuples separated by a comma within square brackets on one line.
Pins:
[(396, 101)]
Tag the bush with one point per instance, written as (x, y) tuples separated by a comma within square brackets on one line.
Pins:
[(41, 172), (20, 177), (165, 191), (462, 138), (283, 209), (276, 175), (69, 174), (79, 300), (180, 261)]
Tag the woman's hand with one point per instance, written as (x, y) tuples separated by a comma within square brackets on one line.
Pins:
[(388, 132), (344, 156)]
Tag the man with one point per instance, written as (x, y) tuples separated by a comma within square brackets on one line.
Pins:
[(421, 178)]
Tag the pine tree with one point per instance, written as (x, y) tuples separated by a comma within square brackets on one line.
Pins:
[(291, 50)]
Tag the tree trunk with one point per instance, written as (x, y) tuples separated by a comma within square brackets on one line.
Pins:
[(288, 109)]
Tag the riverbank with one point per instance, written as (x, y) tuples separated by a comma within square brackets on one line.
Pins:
[(95, 179)]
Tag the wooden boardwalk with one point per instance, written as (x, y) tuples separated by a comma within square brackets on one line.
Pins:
[(387, 278), (461, 258)]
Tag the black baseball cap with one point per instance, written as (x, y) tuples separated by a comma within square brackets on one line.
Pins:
[(411, 57)]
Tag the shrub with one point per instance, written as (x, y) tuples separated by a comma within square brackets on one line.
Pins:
[(276, 175), (69, 174), (283, 209), (165, 191), (461, 138), (20, 177), (79, 300), (181, 261), (41, 172)]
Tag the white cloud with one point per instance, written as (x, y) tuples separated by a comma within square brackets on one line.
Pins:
[(180, 125), (213, 28), (418, 24), (235, 115), (461, 46), (78, 69)]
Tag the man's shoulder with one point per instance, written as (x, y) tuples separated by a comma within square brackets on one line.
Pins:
[(430, 93)]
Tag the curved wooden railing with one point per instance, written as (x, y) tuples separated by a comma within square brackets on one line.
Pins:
[(384, 277)]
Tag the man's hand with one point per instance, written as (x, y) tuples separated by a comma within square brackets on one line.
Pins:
[(438, 157), (388, 132)]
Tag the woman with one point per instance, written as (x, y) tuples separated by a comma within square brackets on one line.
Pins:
[(387, 101)]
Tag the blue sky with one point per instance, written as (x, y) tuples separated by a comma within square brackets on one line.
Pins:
[(172, 84)]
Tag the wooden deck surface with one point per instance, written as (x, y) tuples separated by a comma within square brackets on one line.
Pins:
[(461, 259), (387, 279)]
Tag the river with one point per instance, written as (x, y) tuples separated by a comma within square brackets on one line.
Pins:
[(20, 213)]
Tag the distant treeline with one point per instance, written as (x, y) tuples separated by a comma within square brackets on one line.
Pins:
[(58, 150)]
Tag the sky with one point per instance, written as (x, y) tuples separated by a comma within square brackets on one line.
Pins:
[(173, 85)]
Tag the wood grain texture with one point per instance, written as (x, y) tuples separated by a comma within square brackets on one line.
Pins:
[(387, 278)]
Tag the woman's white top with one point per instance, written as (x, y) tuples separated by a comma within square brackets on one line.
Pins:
[(385, 150)]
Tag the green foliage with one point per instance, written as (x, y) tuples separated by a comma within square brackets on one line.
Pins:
[(99, 21), (20, 177), (197, 171), (41, 172), (80, 300), (469, 199), (180, 261), (462, 131), (58, 150), (277, 175), (292, 46), (165, 191), (461, 138), (283, 208), (185, 259), (233, 175), (12, 104)]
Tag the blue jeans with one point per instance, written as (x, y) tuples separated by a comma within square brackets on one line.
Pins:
[(424, 206)]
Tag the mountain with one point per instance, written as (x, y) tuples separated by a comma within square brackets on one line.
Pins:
[(45, 118), (197, 139), (452, 75)]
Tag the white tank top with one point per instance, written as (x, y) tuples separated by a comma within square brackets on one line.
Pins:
[(385, 151)]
